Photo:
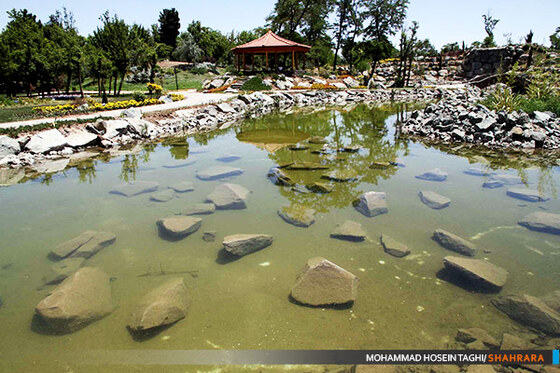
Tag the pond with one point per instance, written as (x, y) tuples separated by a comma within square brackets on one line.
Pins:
[(402, 303)]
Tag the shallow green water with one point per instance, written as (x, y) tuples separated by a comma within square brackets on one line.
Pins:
[(244, 304)]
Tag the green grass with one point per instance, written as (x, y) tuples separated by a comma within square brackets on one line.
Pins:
[(548, 104), (186, 80)]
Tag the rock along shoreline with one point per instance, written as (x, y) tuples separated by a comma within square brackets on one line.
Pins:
[(51, 150)]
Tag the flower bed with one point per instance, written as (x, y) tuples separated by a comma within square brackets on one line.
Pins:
[(70, 108)]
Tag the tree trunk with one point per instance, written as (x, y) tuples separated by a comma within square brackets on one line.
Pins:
[(121, 83), (116, 78), (80, 81), (68, 80)]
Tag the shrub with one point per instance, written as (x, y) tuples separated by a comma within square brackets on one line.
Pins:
[(138, 96), (199, 70), (254, 84), (503, 98), (530, 105), (177, 97), (154, 88)]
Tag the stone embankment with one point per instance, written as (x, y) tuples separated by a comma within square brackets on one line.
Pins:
[(454, 120), (40, 149)]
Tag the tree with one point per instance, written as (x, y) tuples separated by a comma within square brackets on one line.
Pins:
[(115, 40), (425, 48), (450, 48), (187, 49), (23, 58), (347, 28), (169, 25), (384, 17), (489, 26), (555, 39), (147, 51), (406, 54)]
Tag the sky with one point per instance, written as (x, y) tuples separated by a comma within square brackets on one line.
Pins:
[(442, 21)]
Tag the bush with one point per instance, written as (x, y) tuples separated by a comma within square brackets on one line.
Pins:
[(503, 98), (199, 70), (154, 88), (255, 84), (551, 103), (138, 96)]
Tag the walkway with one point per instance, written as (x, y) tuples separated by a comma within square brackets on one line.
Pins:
[(192, 98)]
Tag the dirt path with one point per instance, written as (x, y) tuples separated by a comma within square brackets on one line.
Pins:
[(192, 98)]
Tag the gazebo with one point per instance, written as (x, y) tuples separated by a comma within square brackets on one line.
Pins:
[(269, 43)]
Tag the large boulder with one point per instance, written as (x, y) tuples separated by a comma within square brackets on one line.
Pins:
[(371, 204), (243, 244), (530, 195), (530, 311), (229, 197), (434, 200), (323, 283), (61, 270), (179, 226), (8, 146), (85, 245), (351, 82), (218, 172), (134, 188), (46, 141), (393, 247), (79, 139), (113, 128), (297, 215), (162, 306), (433, 175), (78, 301), (542, 222), (453, 242), (349, 231), (478, 272)]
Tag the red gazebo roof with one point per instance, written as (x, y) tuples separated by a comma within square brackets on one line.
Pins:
[(270, 42)]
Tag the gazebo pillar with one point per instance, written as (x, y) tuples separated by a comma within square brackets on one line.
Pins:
[(266, 56), (243, 61), (293, 60)]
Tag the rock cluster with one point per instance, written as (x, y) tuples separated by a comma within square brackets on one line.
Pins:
[(453, 120)]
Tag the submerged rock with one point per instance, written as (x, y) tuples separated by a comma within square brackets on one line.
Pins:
[(243, 244), (433, 175), (478, 272), (78, 301), (341, 175), (279, 177), (228, 158), (506, 179), (434, 200), (552, 300), (317, 140), (229, 197), (542, 222), (134, 188), (209, 236), (11, 176), (307, 166), (527, 195), (61, 270), (179, 226), (85, 245), (478, 171), (323, 283), (297, 215), (319, 187), (182, 187), (453, 242), (530, 311), (511, 342), (371, 204), (393, 247), (476, 334), (180, 164), (492, 184), (298, 147), (218, 172), (200, 209), (164, 305), (163, 196), (349, 231)]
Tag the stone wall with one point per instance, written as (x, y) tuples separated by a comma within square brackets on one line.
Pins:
[(487, 61)]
